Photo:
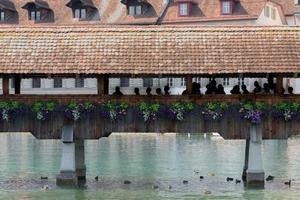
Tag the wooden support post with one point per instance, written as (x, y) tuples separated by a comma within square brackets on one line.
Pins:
[(279, 85), (189, 84), (17, 80), (103, 85), (5, 85)]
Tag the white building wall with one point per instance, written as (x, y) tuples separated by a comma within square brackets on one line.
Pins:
[(271, 16)]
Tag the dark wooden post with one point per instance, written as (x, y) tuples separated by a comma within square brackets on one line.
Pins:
[(5, 85), (279, 85), (17, 80), (103, 85), (189, 84)]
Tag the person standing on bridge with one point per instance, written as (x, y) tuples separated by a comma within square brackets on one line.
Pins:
[(118, 92)]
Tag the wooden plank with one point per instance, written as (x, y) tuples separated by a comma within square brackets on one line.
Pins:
[(103, 85), (5, 85), (17, 80), (279, 85), (189, 84)]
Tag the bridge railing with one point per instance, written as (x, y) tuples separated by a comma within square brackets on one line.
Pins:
[(164, 99)]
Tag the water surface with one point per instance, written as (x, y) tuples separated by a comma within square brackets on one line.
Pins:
[(147, 160)]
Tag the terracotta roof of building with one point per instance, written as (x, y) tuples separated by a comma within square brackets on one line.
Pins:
[(6, 4), (38, 4), (210, 10), (114, 12), (153, 50)]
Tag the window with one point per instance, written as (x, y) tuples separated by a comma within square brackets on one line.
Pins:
[(183, 82), (226, 81), (80, 13), (170, 82), (226, 7), (2, 16), (124, 82), (12, 83), (35, 15), (135, 10), (36, 83), (267, 11), (147, 82), (57, 83), (183, 9), (79, 82), (273, 13), (138, 10)]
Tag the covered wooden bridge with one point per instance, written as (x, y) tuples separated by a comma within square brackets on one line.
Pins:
[(107, 52)]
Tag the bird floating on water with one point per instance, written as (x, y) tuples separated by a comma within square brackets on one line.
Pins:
[(270, 178), (288, 183)]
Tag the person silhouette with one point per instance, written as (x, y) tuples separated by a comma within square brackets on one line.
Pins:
[(136, 91), (117, 91), (167, 90), (148, 91), (244, 89)]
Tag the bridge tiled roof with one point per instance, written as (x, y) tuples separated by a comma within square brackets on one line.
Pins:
[(150, 50)]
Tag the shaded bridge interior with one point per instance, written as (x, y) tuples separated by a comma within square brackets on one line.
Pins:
[(95, 127)]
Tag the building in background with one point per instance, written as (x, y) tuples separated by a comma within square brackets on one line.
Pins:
[(143, 12), (297, 12)]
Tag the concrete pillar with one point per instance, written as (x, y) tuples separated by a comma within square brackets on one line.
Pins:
[(255, 171), (80, 160), (67, 175)]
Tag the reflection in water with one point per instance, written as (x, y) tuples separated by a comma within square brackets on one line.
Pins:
[(147, 159)]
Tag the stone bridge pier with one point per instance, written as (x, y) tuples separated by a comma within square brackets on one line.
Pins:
[(72, 168), (253, 167)]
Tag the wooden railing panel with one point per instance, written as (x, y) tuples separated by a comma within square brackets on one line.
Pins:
[(95, 127)]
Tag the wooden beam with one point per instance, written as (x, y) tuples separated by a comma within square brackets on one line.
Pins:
[(189, 84), (279, 85), (5, 85), (17, 80), (103, 85)]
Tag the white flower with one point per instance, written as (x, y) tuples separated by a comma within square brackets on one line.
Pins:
[(40, 116), (5, 114)]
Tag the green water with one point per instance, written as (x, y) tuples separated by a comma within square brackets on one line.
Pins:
[(147, 160)]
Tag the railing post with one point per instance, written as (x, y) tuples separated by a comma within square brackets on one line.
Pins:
[(5, 85), (189, 84), (103, 84), (17, 80)]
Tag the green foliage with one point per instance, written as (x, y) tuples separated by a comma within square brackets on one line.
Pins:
[(149, 111), (180, 108), (41, 105), (285, 106), (214, 110), (286, 111), (149, 107), (10, 105), (110, 106), (214, 106), (253, 106), (114, 110), (185, 106)]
